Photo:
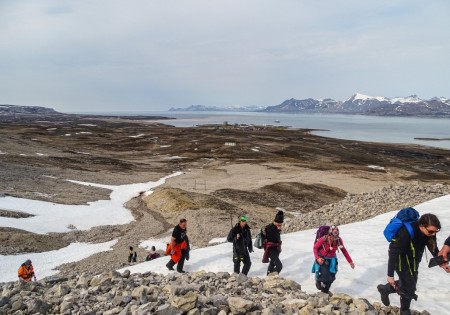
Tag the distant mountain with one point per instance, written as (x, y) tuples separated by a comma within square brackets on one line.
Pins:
[(10, 113), (26, 110), (203, 108), (368, 105)]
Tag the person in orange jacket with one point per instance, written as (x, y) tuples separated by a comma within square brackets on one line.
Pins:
[(178, 247), (26, 272)]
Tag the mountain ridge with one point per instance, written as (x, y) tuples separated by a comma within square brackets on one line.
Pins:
[(356, 104)]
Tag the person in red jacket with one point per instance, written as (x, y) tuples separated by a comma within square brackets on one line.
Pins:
[(178, 248), (326, 262), (26, 272)]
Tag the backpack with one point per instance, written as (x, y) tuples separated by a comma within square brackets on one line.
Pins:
[(404, 217), (258, 240), (321, 232)]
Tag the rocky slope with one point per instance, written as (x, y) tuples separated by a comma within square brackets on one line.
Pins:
[(193, 293)]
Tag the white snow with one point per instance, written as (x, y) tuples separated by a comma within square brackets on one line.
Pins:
[(364, 240), (409, 99), (365, 243), (52, 217), (175, 157), (363, 97), (87, 125), (137, 136), (45, 263), (376, 167)]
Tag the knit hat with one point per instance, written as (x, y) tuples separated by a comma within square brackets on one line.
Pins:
[(279, 218)]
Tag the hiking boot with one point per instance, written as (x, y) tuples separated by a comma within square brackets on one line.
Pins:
[(181, 271), (384, 293), (170, 265), (405, 312), (318, 285)]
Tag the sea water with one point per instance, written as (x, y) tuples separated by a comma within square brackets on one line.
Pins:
[(350, 127)]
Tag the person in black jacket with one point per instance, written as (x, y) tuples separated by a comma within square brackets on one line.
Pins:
[(272, 244), (405, 254), (241, 237), (444, 252)]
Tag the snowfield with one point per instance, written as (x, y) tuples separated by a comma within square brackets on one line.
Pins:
[(364, 241)]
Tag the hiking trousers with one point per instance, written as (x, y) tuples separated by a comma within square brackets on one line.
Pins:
[(275, 262), (245, 260), (407, 284), (407, 287), (180, 264)]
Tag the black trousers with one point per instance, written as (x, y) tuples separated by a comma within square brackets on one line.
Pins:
[(245, 260), (180, 264), (407, 282), (325, 277), (275, 262)]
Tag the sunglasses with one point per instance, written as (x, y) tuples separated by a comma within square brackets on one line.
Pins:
[(431, 232)]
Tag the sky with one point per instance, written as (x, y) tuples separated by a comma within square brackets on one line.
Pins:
[(297, 256), (148, 55)]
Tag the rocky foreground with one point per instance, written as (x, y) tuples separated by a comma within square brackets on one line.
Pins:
[(191, 293)]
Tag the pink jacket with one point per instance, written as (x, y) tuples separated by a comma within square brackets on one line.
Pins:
[(325, 248)]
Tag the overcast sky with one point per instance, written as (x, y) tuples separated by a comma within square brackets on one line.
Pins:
[(110, 55)]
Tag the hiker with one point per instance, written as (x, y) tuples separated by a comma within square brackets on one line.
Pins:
[(326, 264), (444, 252), (152, 254), (132, 256), (405, 254), (241, 237), (178, 247), (272, 244), (26, 271)]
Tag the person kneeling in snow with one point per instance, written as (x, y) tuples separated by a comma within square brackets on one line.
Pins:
[(152, 254), (26, 272)]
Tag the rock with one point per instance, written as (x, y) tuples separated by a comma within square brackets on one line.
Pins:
[(4, 300), (239, 305), (278, 282), (185, 302), (38, 306), (126, 274), (291, 303), (167, 309), (341, 296)]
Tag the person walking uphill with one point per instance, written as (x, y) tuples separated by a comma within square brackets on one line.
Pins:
[(26, 272), (405, 254), (241, 237), (178, 247), (326, 264), (272, 244)]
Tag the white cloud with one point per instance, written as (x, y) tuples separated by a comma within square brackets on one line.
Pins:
[(157, 54)]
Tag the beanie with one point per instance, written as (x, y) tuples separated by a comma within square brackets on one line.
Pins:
[(279, 218)]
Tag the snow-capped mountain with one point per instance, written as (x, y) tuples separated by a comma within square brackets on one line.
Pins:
[(357, 104), (369, 105)]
